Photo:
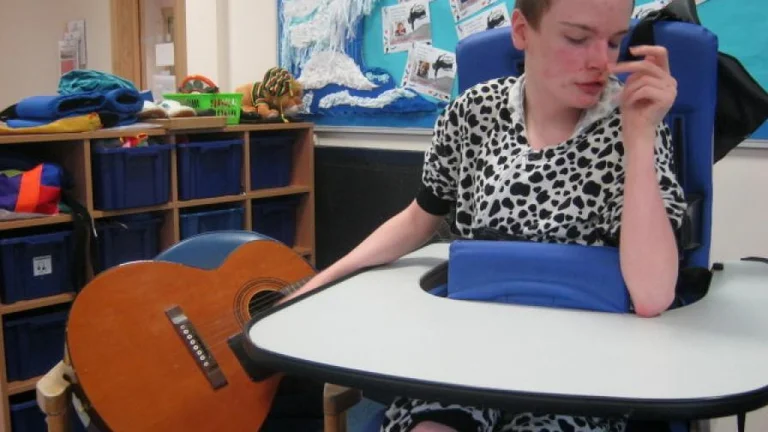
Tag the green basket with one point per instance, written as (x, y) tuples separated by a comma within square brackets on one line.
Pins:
[(224, 104)]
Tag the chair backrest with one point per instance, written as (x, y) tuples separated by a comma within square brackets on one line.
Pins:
[(208, 250), (693, 52)]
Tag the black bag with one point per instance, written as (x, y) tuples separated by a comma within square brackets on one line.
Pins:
[(742, 104)]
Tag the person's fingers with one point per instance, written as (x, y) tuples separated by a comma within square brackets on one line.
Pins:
[(642, 81), (648, 95), (639, 66), (658, 53)]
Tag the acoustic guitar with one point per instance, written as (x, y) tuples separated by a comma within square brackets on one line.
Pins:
[(153, 345)]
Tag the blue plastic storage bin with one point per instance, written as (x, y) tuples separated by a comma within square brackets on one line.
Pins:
[(131, 177), (35, 266), (26, 416), (128, 238), (34, 341), (200, 221), (276, 218), (271, 157), (210, 168)]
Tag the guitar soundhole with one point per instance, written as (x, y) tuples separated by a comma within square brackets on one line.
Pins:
[(257, 296), (262, 301)]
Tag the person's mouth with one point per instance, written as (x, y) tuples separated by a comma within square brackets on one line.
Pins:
[(591, 87)]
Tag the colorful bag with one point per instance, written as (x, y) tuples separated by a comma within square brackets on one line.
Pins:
[(34, 186), (36, 190)]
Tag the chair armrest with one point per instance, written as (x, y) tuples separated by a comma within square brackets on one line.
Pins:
[(53, 391), (338, 399)]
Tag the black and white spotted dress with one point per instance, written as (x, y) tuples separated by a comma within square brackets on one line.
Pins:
[(480, 161)]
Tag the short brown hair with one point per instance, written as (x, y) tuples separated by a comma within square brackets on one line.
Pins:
[(533, 10)]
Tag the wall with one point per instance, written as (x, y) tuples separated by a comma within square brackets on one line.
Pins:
[(29, 35), (239, 47), (740, 205)]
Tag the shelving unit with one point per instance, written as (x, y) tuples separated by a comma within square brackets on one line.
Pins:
[(74, 153)]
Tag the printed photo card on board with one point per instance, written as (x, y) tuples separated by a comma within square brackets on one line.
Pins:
[(494, 17), (461, 9), (430, 71), (405, 24)]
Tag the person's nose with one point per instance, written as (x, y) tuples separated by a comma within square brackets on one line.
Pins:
[(597, 58)]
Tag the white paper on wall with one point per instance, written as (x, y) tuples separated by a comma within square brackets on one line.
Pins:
[(430, 71), (406, 24), (494, 17), (461, 9)]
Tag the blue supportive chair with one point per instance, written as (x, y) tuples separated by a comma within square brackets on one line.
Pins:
[(693, 61)]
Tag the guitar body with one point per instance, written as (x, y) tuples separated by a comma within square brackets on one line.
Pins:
[(148, 341)]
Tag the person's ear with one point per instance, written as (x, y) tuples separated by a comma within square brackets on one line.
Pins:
[(519, 30)]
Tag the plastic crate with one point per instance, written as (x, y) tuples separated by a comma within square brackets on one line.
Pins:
[(271, 157), (26, 415), (210, 168), (224, 104), (196, 222), (128, 238), (36, 265), (131, 177), (34, 341), (276, 218)]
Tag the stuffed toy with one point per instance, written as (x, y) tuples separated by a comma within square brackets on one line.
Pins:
[(278, 95)]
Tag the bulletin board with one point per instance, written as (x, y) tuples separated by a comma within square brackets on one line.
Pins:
[(384, 64), (410, 76)]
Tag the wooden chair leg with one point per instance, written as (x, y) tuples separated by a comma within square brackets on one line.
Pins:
[(336, 401), (54, 397)]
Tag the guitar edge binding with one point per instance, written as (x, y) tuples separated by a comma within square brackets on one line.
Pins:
[(196, 347)]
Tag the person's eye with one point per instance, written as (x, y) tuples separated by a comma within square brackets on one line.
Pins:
[(576, 41), (614, 45)]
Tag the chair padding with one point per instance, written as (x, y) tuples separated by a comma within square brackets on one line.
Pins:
[(538, 274), (208, 250)]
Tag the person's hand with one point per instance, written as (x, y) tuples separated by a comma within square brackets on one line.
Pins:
[(650, 89)]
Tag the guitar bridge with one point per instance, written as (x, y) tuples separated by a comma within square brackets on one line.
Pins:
[(196, 347)]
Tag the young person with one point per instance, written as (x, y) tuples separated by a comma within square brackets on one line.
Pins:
[(566, 154)]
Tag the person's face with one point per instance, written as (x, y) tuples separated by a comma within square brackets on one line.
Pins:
[(570, 54)]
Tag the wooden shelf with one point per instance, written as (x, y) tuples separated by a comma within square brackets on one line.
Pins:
[(288, 190), (97, 214), (150, 130), (33, 222), (25, 305), (16, 387), (264, 193), (256, 127), (73, 151), (303, 251), (210, 201), (190, 123)]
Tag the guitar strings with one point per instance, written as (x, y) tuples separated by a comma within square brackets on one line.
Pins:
[(216, 327), (218, 334)]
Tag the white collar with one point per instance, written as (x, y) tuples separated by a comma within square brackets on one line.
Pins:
[(604, 107)]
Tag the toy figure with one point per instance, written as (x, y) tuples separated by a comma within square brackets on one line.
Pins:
[(277, 95)]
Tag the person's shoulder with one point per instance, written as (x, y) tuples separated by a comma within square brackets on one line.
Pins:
[(487, 90)]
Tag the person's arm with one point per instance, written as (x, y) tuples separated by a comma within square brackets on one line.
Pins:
[(648, 247), (396, 237), (652, 199), (418, 222)]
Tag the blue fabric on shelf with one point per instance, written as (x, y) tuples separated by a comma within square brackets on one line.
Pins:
[(121, 104), (124, 101), (48, 108)]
